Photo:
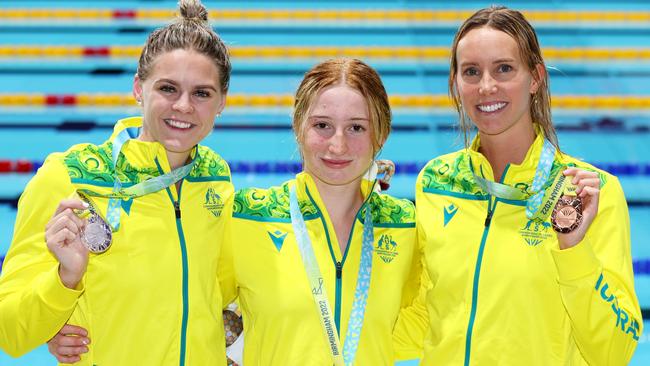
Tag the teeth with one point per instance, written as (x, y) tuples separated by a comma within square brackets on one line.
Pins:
[(491, 107), (178, 124)]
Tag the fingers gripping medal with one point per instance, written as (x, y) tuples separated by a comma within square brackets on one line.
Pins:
[(567, 214), (96, 235)]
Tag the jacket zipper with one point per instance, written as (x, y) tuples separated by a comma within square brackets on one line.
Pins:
[(184, 265), (339, 276), (477, 271)]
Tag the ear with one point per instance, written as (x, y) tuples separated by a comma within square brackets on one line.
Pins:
[(222, 102), (539, 74), (137, 88)]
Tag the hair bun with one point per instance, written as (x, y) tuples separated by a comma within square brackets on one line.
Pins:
[(193, 9)]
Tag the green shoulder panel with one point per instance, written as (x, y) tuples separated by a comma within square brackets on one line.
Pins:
[(93, 163), (391, 210), (211, 164), (450, 173), (271, 203)]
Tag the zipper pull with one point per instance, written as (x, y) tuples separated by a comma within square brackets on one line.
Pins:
[(488, 219), (177, 209), (339, 270)]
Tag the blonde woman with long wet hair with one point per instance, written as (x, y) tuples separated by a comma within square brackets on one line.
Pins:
[(527, 248)]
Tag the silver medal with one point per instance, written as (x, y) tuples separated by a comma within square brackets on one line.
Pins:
[(96, 234)]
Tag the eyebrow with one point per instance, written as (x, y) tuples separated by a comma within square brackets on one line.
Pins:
[(202, 86), (497, 61), (503, 60), (328, 117)]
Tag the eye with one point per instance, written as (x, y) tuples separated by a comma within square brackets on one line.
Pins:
[(357, 128), (202, 93), (321, 125), (165, 88), (470, 71), (504, 68)]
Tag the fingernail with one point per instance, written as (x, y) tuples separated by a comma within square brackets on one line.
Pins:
[(84, 204), (84, 341)]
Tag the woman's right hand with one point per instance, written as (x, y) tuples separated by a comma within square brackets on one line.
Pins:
[(69, 344), (62, 234)]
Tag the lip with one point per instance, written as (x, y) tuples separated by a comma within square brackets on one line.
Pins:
[(336, 163), (491, 107), (178, 128)]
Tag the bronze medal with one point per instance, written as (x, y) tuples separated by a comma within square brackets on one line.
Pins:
[(567, 214)]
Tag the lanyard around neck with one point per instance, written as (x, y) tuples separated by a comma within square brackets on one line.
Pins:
[(537, 197), (143, 188), (316, 283)]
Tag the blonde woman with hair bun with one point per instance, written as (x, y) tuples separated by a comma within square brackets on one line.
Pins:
[(126, 256)]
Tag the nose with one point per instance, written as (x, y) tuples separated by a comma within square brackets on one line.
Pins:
[(183, 104), (487, 85), (338, 143)]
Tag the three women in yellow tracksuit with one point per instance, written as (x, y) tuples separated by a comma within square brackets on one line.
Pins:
[(150, 298), (507, 289)]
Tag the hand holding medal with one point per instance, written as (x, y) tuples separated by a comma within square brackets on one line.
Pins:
[(62, 235), (574, 213), (96, 234)]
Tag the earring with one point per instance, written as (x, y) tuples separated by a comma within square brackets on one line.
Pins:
[(139, 102)]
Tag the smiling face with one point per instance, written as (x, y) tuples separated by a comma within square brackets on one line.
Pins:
[(493, 82), (337, 144), (180, 99)]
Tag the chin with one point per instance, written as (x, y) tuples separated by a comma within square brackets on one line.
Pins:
[(339, 180), (176, 145)]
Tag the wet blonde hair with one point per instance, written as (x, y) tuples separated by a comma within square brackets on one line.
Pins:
[(355, 74), (189, 31), (514, 24)]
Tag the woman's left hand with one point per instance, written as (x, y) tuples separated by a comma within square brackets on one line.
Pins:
[(588, 189)]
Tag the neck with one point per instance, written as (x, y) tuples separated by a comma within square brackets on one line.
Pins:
[(342, 204), (177, 160), (340, 201), (501, 150)]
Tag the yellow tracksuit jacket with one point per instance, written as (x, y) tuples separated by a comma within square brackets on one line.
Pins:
[(503, 292), (152, 298), (281, 324)]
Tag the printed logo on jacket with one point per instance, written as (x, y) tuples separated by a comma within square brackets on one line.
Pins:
[(386, 248), (213, 202), (535, 232)]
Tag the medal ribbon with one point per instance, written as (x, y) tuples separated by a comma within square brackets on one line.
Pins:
[(318, 290), (538, 196), (561, 186), (143, 188)]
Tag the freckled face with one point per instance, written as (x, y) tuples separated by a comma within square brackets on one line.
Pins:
[(337, 146)]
